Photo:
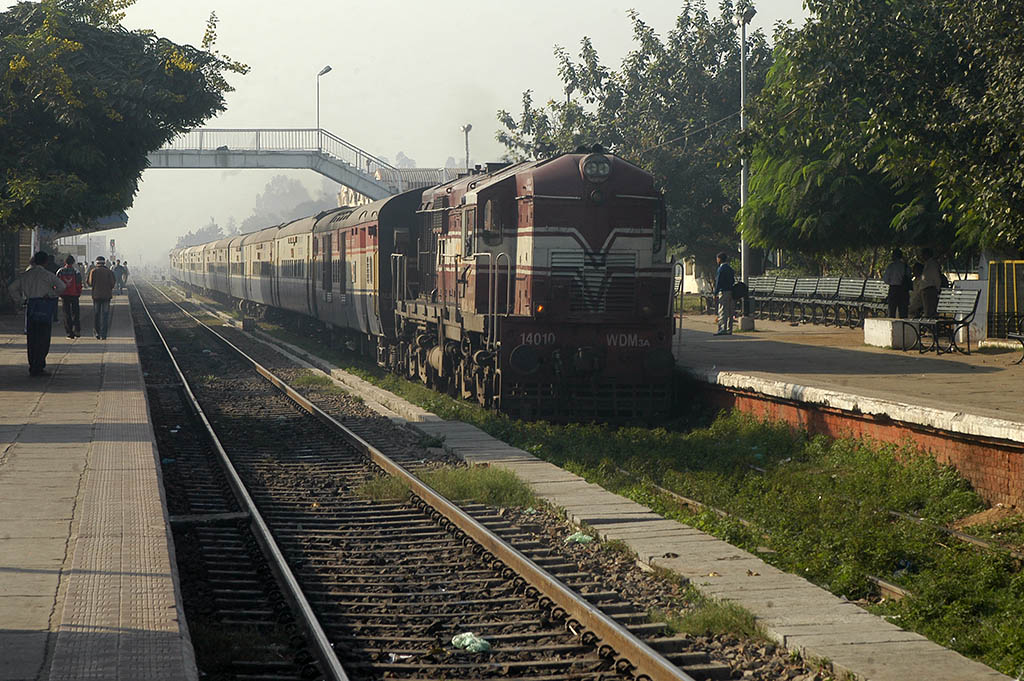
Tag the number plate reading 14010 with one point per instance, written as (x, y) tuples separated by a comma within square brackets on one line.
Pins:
[(537, 338)]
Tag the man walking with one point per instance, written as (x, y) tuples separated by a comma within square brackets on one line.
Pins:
[(102, 282), (41, 288), (72, 279), (725, 279)]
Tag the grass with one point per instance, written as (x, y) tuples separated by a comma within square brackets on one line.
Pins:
[(383, 488), (479, 484), (711, 617), (820, 508), (316, 381)]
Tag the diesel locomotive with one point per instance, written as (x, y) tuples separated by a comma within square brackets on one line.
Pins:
[(540, 289)]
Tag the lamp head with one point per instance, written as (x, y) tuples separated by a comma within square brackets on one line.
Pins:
[(745, 16), (326, 69), (467, 127)]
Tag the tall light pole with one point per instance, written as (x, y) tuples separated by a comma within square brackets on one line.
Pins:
[(324, 70), (742, 20), (466, 128)]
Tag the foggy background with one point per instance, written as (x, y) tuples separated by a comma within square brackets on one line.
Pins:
[(406, 75)]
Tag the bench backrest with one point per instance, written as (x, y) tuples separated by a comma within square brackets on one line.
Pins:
[(761, 286), (805, 286), (851, 289), (828, 287), (784, 288), (957, 302), (875, 289)]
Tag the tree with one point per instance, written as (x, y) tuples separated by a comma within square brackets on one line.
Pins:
[(284, 199), (672, 107), (889, 122), (209, 232), (85, 101)]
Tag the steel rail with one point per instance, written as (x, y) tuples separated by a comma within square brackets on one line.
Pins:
[(330, 664), (644, 662)]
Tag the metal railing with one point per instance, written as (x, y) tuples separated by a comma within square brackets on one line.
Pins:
[(306, 140), (282, 139), (1005, 297)]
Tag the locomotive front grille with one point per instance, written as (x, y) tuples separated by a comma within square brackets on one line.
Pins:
[(597, 282)]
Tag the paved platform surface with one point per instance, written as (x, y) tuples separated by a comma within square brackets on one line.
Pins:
[(982, 384), (795, 612), (88, 588)]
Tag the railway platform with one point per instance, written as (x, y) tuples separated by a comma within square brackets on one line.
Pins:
[(88, 583), (961, 408)]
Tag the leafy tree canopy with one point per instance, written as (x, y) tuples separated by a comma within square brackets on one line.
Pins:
[(891, 122), (672, 106), (85, 100)]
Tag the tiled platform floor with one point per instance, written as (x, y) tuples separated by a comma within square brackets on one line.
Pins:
[(88, 588)]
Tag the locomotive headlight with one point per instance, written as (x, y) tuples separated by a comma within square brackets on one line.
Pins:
[(596, 168)]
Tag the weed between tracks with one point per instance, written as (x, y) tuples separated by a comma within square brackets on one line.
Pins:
[(480, 484), (817, 507)]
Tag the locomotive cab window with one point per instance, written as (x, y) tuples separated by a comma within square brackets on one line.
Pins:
[(468, 227), (492, 222)]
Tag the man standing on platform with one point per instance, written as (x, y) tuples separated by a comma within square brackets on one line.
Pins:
[(72, 279), (931, 282), (120, 274), (102, 282), (898, 276), (41, 288), (725, 279)]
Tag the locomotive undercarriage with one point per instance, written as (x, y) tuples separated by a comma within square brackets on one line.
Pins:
[(459, 367)]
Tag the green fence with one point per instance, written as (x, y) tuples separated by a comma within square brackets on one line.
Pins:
[(1005, 297)]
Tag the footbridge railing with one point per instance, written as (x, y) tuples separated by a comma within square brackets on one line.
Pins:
[(312, 148)]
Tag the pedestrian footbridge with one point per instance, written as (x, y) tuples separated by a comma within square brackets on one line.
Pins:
[(312, 148)]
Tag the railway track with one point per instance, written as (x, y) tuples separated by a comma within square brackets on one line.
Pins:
[(380, 589)]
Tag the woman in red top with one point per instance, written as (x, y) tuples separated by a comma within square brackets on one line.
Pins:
[(72, 279)]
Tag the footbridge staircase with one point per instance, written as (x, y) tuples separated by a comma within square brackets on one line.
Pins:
[(312, 148)]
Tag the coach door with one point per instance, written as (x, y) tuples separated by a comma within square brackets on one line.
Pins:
[(328, 268)]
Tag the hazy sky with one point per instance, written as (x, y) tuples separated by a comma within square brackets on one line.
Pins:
[(406, 75)]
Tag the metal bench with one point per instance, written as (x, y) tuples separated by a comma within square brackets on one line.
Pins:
[(760, 291), (782, 294), (803, 298), (1019, 337), (847, 310), (824, 297), (875, 300), (955, 311)]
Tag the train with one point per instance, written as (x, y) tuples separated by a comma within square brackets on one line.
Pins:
[(540, 289)]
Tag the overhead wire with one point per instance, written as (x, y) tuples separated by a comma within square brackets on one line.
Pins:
[(690, 133)]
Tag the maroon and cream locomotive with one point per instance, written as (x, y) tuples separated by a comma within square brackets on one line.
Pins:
[(540, 289)]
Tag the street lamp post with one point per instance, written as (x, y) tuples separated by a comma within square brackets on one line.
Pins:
[(742, 20), (466, 128), (324, 70)]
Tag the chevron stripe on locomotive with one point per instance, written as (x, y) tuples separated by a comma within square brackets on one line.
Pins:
[(540, 289)]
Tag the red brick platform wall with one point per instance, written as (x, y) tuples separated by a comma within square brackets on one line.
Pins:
[(994, 467)]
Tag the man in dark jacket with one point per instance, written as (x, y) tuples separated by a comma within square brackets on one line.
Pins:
[(725, 279), (102, 282), (72, 279), (41, 288)]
